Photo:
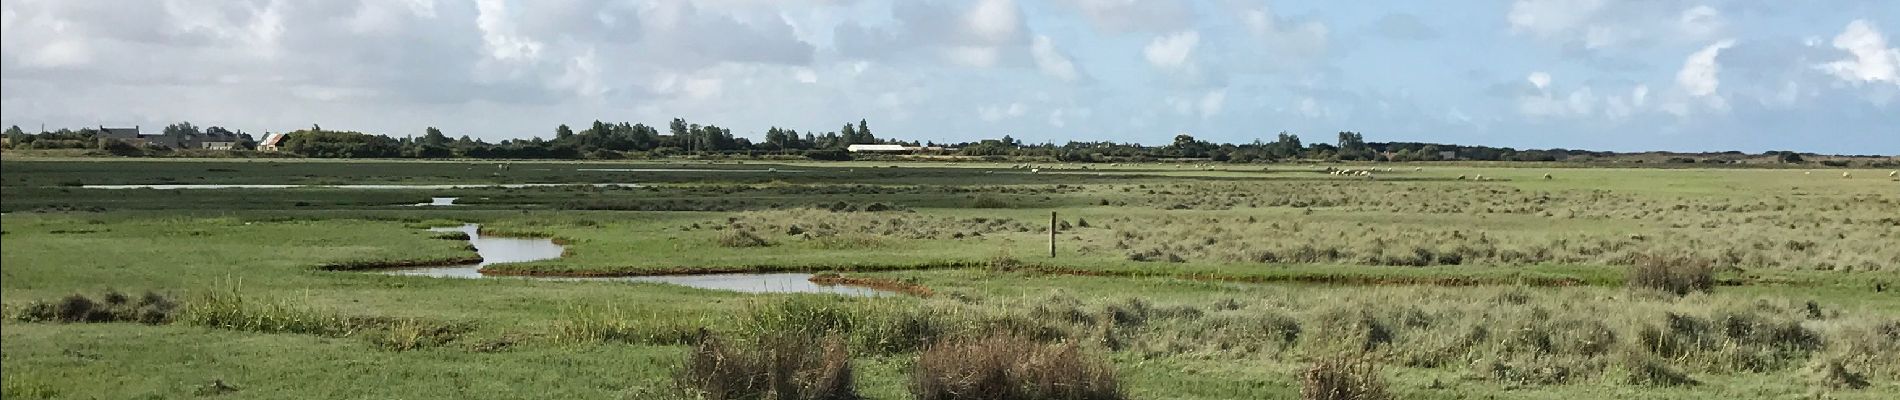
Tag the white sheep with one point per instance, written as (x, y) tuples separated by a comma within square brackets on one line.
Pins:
[(1893, 174), (1481, 177), (1547, 176), (1416, 169), (1847, 175), (1035, 170)]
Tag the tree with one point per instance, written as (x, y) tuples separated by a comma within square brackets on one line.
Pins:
[(434, 137), (563, 132), (864, 134), (1789, 157), (1287, 146), (1352, 146), (182, 129)]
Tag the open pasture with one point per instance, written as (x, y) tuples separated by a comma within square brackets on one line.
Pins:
[(1185, 281)]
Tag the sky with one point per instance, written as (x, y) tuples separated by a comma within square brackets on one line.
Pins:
[(1623, 75)]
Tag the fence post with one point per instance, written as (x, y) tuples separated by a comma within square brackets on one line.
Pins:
[(1052, 234)]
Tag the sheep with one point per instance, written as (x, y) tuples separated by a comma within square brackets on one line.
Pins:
[(1416, 169), (1035, 170), (1847, 175), (1547, 177), (1807, 172), (1461, 177), (1481, 177), (1893, 174)]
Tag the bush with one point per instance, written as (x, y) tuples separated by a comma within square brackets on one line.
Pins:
[(1832, 373), (741, 238), (1342, 379), (113, 306), (1647, 370), (1012, 368), (1671, 274), (987, 201), (778, 367)]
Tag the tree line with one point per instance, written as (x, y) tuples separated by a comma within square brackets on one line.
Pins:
[(603, 140)]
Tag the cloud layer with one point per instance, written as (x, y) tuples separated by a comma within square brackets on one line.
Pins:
[(1614, 74)]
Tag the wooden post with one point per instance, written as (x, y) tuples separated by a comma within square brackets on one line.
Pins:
[(1052, 234)]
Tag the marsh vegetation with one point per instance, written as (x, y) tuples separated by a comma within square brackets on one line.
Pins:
[(1167, 283)]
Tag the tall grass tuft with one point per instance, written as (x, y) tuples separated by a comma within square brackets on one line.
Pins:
[(591, 325), (778, 367), (229, 309), (741, 238), (1672, 274), (1012, 368), (1342, 378)]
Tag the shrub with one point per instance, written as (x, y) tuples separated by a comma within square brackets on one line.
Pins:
[(1012, 368), (987, 201), (1342, 378), (777, 367), (412, 334), (113, 306), (1671, 274), (741, 238), (1647, 370), (1832, 373)]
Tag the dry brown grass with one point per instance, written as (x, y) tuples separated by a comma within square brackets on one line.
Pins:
[(1342, 378), (1012, 368), (1672, 274), (779, 367)]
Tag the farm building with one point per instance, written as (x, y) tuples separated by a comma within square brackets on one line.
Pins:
[(878, 148), (271, 141)]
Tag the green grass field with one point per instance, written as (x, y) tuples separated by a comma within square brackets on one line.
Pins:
[(1192, 282)]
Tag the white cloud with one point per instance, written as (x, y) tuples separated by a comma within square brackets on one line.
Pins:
[(1212, 102), (1171, 51), (1552, 17), (995, 20), (1612, 25), (1285, 37), (1134, 15), (498, 32), (993, 113), (1311, 108), (1700, 22), (1700, 73), (974, 56), (1872, 60), (1051, 61), (1539, 79)]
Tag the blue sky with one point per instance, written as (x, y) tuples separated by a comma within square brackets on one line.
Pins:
[(1627, 75)]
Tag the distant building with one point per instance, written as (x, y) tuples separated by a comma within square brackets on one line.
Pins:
[(878, 148), (271, 142), (1447, 155)]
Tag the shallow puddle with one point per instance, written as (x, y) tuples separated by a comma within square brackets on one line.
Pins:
[(438, 202), (497, 250), (683, 170), (365, 187)]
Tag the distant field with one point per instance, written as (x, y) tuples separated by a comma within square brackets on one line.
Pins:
[(1196, 282)]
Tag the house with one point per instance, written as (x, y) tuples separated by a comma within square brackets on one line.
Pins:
[(1447, 155), (127, 135), (878, 148), (271, 141)]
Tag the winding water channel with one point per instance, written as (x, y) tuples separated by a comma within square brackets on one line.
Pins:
[(497, 250)]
